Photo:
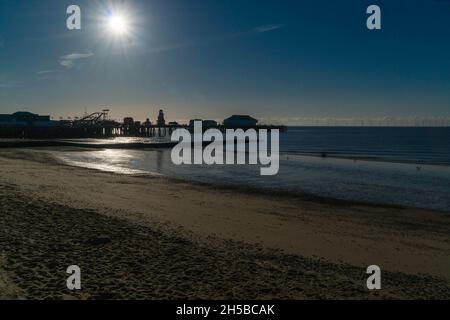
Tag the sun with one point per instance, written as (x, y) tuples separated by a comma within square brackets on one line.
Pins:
[(118, 24), (119, 27)]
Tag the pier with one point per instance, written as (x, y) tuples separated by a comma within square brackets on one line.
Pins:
[(97, 125)]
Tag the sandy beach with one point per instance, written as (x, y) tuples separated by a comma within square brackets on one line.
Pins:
[(154, 238)]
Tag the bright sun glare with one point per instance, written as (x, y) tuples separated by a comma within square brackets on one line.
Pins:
[(118, 24)]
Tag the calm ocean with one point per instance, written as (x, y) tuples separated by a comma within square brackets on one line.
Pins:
[(399, 166)]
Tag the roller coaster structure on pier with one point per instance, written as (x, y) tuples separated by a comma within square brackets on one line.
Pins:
[(94, 119)]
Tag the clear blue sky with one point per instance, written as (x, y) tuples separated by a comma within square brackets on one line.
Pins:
[(211, 58)]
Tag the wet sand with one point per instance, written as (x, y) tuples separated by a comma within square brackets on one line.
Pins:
[(154, 238)]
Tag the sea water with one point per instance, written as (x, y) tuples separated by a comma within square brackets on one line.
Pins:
[(398, 166)]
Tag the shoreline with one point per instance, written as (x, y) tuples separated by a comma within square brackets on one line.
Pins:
[(277, 233)]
